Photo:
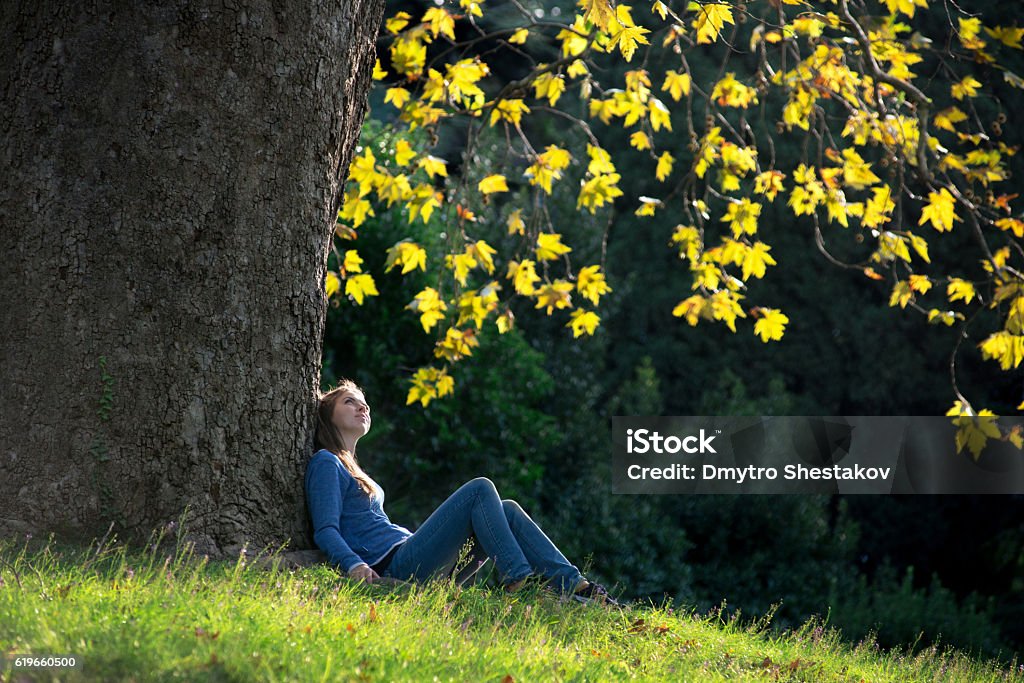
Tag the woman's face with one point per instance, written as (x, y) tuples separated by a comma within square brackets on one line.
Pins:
[(351, 415)]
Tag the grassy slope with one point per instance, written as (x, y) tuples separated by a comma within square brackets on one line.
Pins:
[(175, 617)]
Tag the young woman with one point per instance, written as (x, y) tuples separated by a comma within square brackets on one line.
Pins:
[(350, 526)]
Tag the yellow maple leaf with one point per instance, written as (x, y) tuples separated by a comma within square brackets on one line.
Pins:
[(1015, 317), (940, 210), (857, 172), (947, 318), (807, 26), (648, 206), (493, 183), (640, 141), (461, 80), (425, 198), (756, 260), (509, 110), (476, 305), (484, 254), (441, 22), (519, 36), (396, 23), (433, 166), (1013, 225), (730, 92), (427, 384), (919, 283), (397, 96), (549, 246), (973, 430), (379, 74), (574, 39), (430, 306), (687, 239), (677, 84), (407, 254), (554, 295), (905, 6), (948, 118), (408, 56), (902, 294), (404, 152), (968, 87), (472, 7), (742, 217), (461, 264), (598, 191), (660, 114), (627, 39), (576, 69), (355, 208), (332, 283), (920, 246), (968, 33), (710, 20), (958, 289), (352, 263), (549, 86), (725, 306), (523, 275), (660, 8), (1004, 347), (771, 325), (590, 283), (599, 13), (600, 160), (878, 209), (393, 188), (769, 183), (691, 308), (664, 169), (515, 223), (974, 433), (1009, 36), (434, 90), (505, 322), (360, 286), (583, 322), (456, 345), (548, 166)]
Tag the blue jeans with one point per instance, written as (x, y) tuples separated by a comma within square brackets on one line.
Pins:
[(499, 528)]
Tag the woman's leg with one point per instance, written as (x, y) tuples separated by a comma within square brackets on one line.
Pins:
[(540, 552), (473, 510)]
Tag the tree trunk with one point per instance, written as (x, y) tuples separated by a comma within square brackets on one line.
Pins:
[(173, 174)]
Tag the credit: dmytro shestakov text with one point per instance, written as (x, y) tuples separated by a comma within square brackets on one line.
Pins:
[(873, 455)]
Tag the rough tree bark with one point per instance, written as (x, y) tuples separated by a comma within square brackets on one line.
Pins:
[(172, 180)]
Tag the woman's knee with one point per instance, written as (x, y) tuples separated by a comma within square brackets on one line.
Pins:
[(482, 486), (511, 508)]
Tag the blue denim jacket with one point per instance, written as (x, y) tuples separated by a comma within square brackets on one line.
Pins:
[(348, 525)]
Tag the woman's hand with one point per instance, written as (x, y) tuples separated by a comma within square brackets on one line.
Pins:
[(363, 572)]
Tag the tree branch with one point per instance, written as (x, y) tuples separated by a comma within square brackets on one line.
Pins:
[(920, 100)]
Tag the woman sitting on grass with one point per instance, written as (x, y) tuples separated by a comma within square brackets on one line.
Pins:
[(350, 525)]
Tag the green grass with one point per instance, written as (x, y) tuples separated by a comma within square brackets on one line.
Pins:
[(168, 615)]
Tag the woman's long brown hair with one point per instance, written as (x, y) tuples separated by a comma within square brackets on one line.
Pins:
[(328, 437)]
